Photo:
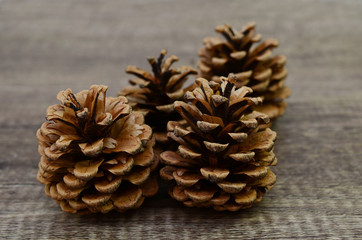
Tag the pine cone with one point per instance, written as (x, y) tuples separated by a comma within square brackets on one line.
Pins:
[(223, 157), (154, 94), (254, 67), (96, 155)]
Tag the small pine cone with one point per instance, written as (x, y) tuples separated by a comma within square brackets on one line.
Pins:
[(96, 155), (256, 67), (223, 157), (154, 94)]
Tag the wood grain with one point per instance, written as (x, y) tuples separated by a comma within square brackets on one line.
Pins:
[(47, 46)]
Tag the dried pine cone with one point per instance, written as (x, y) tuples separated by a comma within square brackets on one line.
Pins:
[(154, 94), (96, 155), (256, 67), (223, 157)]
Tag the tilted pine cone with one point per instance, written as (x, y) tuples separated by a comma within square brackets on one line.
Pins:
[(223, 157), (254, 67), (154, 94), (96, 155)]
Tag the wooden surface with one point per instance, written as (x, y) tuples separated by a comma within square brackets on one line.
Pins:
[(47, 46)]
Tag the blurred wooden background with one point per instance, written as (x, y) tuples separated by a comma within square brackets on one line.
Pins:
[(47, 46)]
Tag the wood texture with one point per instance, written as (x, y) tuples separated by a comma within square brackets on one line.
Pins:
[(47, 46)]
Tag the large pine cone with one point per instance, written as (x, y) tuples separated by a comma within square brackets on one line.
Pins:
[(223, 157), (256, 67), (154, 94), (96, 155)]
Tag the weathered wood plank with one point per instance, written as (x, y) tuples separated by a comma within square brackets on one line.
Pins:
[(319, 185), (289, 211), (47, 46)]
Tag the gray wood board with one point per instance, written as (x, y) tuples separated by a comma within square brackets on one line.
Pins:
[(47, 46)]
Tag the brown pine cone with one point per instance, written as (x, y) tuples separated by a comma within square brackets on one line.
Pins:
[(254, 67), (223, 157), (96, 155), (154, 93)]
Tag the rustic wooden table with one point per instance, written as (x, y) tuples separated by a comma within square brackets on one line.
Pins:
[(47, 46)]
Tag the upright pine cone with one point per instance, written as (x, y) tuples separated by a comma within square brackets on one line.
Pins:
[(96, 155), (223, 157), (154, 94), (256, 67)]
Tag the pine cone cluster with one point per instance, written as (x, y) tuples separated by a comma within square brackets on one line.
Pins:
[(154, 94), (223, 158), (254, 67), (100, 153), (96, 155)]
